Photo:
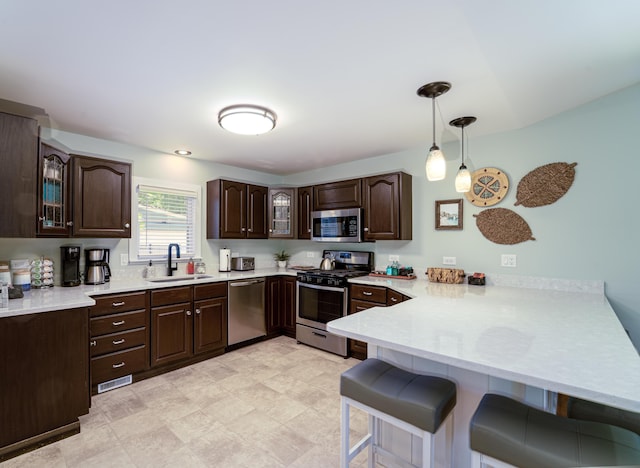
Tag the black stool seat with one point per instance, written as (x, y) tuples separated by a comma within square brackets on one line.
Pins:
[(420, 400), (591, 411), (518, 434)]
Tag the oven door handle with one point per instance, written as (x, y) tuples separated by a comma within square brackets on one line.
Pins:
[(324, 288)]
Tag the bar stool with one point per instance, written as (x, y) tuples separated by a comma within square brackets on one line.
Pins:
[(418, 404), (578, 408), (505, 432)]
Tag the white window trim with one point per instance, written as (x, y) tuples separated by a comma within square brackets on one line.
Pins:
[(171, 185)]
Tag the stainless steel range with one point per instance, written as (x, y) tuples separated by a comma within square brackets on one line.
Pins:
[(323, 295)]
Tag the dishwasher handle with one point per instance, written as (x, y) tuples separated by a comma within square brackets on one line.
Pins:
[(237, 284)]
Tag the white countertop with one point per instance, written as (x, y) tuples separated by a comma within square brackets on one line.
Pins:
[(569, 342), (58, 298)]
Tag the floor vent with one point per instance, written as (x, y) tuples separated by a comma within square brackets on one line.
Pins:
[(115, 383)]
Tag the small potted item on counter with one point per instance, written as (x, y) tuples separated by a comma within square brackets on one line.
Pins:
[(281, 257), (476, 279)]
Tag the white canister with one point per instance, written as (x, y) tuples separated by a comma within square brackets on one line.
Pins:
[(22, 278), (5, 275)]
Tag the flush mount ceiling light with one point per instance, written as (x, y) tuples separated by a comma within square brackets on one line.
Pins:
[(463, 178), (182, 152), (436, 166), (247, 119)]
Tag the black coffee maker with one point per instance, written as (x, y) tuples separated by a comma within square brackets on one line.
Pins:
[(97, 266), (70, 260)]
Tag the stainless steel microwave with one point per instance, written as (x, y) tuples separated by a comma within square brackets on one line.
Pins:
[(337, 225)]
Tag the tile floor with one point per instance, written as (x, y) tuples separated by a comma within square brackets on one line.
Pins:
[(272, 404)]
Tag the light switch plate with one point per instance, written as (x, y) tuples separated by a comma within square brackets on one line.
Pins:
[(124, 259), (310, 254), (448, 260), (508, 260), (394, 258)]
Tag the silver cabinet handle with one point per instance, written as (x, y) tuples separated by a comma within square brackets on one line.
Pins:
[(188, 312), (250, 230), (117, 304), (40, 218), (198, 311), (367, 293), (366, 229), (93, 343), (115, 366), (117, 342), (243, 229), (270, 230), (127, 225), (393, 299), (117, 324), (69, 223)]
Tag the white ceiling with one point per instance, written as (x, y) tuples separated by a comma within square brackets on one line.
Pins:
[(341, 75)]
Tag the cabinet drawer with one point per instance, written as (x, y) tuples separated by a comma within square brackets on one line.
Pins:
[(118, 303), (117, 341), (209, 291), (394, 297), (369, 293), (171, 296), (114, 365), (118, 322)]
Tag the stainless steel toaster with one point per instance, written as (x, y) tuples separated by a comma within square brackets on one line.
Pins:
[(243, 263)]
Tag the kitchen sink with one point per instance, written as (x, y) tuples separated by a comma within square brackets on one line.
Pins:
[(171, 279)]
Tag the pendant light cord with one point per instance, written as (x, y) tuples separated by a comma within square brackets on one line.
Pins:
[(462, 146), (433, 118)]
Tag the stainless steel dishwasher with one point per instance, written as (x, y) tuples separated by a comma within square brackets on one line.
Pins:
[(246, 319)]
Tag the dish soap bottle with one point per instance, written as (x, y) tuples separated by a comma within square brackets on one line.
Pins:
[(190, 267)]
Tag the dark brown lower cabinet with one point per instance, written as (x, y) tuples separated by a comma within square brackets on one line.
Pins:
[(281, 305), (44, 377), (187, 321), (171, 333), (364, 297), (210, 326)]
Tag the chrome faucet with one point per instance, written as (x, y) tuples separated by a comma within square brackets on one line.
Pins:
[(171, 269)]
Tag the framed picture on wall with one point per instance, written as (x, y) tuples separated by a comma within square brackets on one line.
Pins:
[(449, 214)]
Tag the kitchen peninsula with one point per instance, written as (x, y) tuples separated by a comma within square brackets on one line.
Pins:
[(526, 342)]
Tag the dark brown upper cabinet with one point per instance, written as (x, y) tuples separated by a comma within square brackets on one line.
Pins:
[(236, 210), (282, 213), (387, 207), (336, 195), (101, 197), (304, 209), (54, 193), (19, 160)]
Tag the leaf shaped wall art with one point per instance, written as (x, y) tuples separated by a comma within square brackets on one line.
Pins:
[(545, 184), (503, 226)]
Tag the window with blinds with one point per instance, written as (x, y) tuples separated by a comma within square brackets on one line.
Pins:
[(164, 213)]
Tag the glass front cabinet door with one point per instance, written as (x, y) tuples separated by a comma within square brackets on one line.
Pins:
[(281, 212), (53, 192)]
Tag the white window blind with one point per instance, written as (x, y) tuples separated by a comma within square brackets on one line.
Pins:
[(165, 213)]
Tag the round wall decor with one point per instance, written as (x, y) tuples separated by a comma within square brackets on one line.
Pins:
[(489, 186)]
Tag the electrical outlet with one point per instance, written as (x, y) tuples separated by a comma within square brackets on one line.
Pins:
[(448, 260), (310, 254), (508, 261), (394, 258), (124, 259)]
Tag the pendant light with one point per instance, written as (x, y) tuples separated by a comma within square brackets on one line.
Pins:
[(436, 166), (463, 179)]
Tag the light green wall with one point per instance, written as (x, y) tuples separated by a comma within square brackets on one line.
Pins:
[(588, 234)]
